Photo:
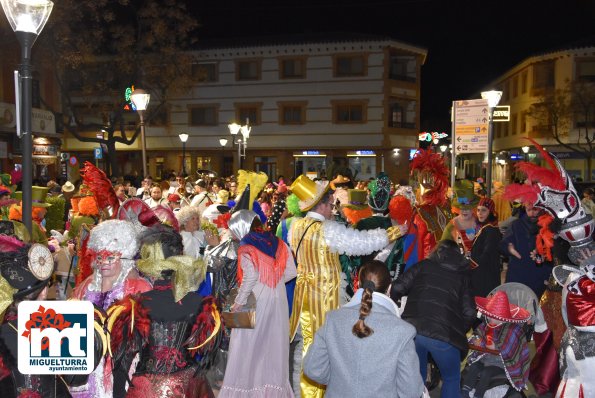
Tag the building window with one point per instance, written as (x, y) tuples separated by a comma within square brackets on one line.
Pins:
[(515, 87), (523, 122), (292, 113), (524, 82), (403, 68), (513, 124), (353, 65), (504, 129), (505, 91), (248, 70), (248, 113), (203, 115), (402, 114), (498, 129), (205, 72), (350, 112), (544, 75), (585, 70), (292, 68)]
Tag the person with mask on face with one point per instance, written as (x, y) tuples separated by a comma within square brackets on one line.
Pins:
[(519, 244)]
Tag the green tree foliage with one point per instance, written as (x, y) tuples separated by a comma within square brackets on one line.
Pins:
[(569, 115)]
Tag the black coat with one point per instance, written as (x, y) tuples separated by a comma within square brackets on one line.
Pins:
[(439, 303), (486, 255)]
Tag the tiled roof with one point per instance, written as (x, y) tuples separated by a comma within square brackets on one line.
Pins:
[(306, 38)]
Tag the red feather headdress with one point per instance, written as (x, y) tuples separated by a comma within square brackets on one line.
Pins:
[(101, 187), (426, 161), (536, 175)]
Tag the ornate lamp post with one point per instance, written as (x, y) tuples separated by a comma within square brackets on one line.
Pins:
[(493, 98), (140, 98), (27, 19), (242, 142), (183, 138), (222, 142)]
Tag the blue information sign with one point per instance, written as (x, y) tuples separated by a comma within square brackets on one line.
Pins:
[(98, 153)]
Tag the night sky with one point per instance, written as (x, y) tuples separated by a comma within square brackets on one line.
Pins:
[(469, 42)]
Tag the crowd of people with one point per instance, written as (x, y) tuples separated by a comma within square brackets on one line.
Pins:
[(250, 286)]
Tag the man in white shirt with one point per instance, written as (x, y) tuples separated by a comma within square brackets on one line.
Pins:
[(201, 198), (155, 199)]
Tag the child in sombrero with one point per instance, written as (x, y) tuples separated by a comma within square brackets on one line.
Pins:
[(502, 346)]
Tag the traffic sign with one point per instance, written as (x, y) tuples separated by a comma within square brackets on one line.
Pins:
[(501, 113), (98, 153), (471, 123)]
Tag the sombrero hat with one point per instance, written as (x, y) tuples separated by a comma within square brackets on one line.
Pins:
[(498, 307), (308, 191)]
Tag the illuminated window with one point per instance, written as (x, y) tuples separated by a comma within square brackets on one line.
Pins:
[(205, 72)]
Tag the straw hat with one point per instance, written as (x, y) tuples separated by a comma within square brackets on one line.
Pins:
[(308, 191), (498, 307), (68, 187)]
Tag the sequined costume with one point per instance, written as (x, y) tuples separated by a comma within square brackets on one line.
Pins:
[(165, 327)]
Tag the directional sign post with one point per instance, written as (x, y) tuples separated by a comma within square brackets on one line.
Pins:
[(470, 128), (471, 122)]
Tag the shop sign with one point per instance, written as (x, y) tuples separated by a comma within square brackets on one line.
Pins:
[(42, 121), (73, 161), (361, 153), (45, 150)]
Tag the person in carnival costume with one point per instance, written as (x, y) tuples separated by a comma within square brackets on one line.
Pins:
[(39, 209), (485, 256), (501, 346), (317, 243), (551, 189), (258, 364), (402, 212), (110, 250), (222, 260), (432, 176), (165, 326), (25, 272), (464, 227), (577, 352)]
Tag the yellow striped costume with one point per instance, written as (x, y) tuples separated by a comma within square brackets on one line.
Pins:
[(316, 290), (319, 275)]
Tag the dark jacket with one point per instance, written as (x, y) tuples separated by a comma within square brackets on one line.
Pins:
[(439, 303), (522, 234)]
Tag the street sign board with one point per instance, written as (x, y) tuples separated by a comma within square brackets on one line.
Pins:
[(98, 153), (501, 113), (471, 121)]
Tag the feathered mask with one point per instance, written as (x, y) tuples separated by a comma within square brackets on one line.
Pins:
[(551, 189), (432, 174)]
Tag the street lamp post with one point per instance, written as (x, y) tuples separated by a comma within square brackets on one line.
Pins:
[(493, 98), (222, 142), (183, 138), (525, 150), (27, 19), (140, 98), (242, 142)]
